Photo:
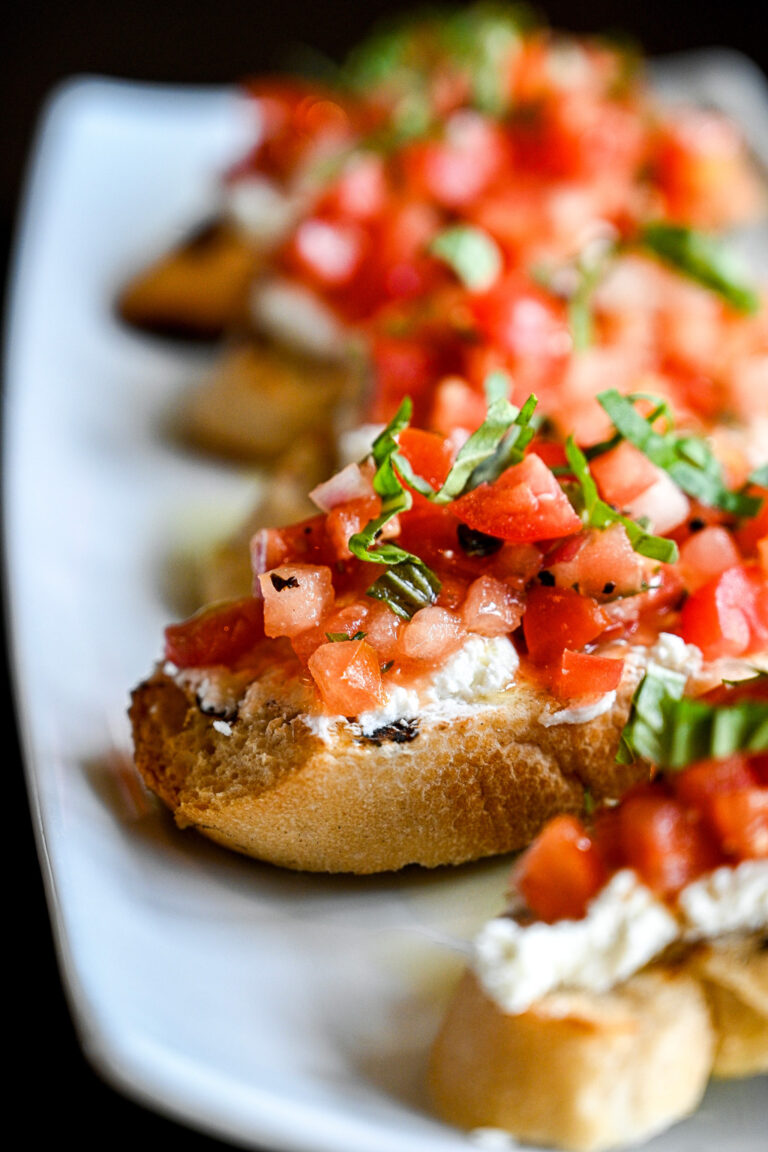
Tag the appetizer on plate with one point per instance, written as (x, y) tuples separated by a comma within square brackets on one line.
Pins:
[(444, 656), (471, 192), (631, 963)]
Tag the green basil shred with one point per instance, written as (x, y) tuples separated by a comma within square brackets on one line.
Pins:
[(702, 258), (672, 731), (599, 514), (687, 459), (472, 253)]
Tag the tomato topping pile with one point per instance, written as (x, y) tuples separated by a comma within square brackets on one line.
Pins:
[(474, 196), (506, 220), (670, 831)]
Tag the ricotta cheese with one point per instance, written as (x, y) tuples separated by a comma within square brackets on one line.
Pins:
[(626, 926), (580, 713), (482, 667), (295, 317), (260, 208)]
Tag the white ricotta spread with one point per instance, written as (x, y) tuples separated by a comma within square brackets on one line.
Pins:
[(626, 926), (260, 208), (295, 317), (726, 900), (580, 713), (482, 667)]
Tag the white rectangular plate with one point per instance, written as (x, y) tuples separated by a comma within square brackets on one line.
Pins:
[(268, 1008)]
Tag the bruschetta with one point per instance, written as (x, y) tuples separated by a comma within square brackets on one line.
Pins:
[(448, 209), (631, 962), (443, 657)]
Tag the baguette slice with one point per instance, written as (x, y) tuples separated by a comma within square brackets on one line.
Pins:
[(198, 289), (430, 793), (260, 398), (734, 974), (577, 1070)]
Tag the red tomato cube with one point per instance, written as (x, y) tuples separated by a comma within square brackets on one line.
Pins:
[(525, 504), (559, 618), (665, 844), (740, 820), (622, 474), (431, 635), (219, 634), (347, 676), (584, 674), (560, 872), (491, 607), (296, 597)]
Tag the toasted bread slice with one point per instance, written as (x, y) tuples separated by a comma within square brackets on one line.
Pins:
[(259, 399), (734, 974), (430, 792), (198, 289), (577, 1070)]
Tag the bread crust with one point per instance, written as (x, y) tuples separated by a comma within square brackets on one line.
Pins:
[(577, 1070), (434, 793), (733, 972), (198, 289), (260, 398)]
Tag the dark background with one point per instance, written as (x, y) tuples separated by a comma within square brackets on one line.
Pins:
[(186, 41)]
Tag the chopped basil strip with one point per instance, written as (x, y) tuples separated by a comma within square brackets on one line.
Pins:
[(338, 637), (760, 476), (409, 584), (599, 514), (702, 258), (498, 443), (472, 254), (673, 731), (406, 587), (687, 459)]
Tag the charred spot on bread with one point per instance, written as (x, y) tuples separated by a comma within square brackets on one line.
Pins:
[(401, 731)]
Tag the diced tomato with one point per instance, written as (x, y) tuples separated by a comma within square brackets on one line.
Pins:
[(525, 504), (431, 635), (361, 190), (560, 872), (305, 541), (454, 169), (296, 597), (326, 252), (402, 366), (622, 474), (348, 518), (491, 607), (728, 616), (218, 634), (740, 820), (382, 629), (516, 317), (602, 564), (347, 675), (429, 454), (698, 783), (665, 844), (294, 116), (559, 618), (706, 555), (699, 165), (584, 674), (456, 404)]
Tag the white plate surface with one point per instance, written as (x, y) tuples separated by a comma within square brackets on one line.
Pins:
[(275, 1010)]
